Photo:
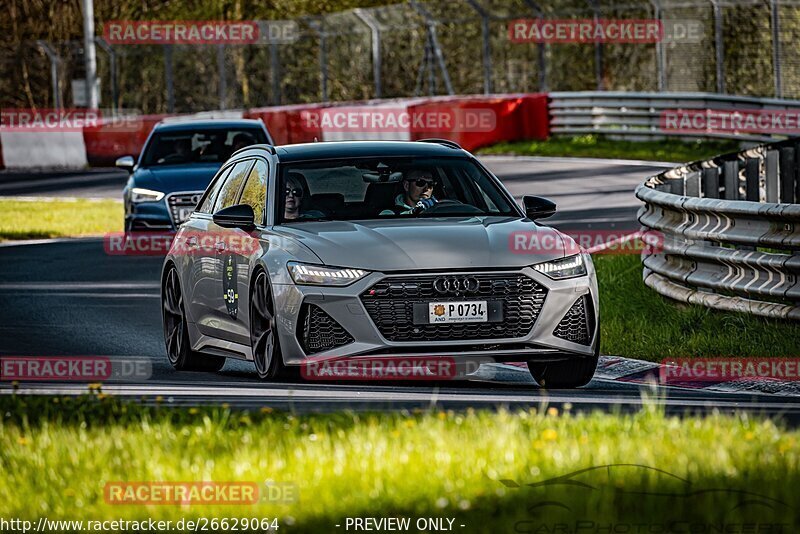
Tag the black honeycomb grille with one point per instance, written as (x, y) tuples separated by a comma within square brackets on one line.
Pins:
[(576, 325), (390, 304), (319, 331)]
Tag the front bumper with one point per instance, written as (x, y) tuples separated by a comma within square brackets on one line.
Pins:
[(346, 319)]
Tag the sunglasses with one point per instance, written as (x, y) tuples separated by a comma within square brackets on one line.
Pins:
[(296, 192), (424, 183)]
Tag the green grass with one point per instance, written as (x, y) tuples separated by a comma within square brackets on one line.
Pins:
[(596, 146), (639, 323), (40, 219), (57, 454)]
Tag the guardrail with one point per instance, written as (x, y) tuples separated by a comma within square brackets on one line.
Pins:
[(731, 230), (639, 115)]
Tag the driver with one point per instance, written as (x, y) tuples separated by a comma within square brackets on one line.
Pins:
[(417, 194)]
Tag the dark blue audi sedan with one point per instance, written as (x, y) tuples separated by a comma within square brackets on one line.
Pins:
[(177, 162)]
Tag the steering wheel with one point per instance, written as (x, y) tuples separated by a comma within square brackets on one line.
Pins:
[(451, 206)]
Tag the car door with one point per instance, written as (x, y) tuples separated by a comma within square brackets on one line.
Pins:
[(210, 292), (236, 250), (192, 249)]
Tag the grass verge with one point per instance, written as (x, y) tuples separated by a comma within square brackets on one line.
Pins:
[(41, 219), (638, 322), (596, 146), (57, 454)]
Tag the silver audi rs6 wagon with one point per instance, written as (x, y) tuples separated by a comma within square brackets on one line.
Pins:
[(347, 250)]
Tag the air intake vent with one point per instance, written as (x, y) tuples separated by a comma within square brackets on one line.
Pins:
[(318, 331), (577, 325)]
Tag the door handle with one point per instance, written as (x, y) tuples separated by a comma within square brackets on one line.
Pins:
[(220, 246)]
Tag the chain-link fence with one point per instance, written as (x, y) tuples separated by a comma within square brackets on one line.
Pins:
[(739, 47)]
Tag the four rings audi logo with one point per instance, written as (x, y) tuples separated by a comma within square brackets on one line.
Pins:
[(455, 285)]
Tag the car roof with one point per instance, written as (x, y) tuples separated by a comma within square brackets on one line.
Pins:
[(207, 124), (363, 149)]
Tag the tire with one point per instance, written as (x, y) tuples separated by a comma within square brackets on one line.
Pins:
[(572, 373), (267, 356), (176, 333)]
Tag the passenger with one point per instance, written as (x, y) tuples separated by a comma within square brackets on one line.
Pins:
[(417, 194)]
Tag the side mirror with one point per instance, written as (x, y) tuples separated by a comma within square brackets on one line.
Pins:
[(125, 162), (239, 216), (538, 207)]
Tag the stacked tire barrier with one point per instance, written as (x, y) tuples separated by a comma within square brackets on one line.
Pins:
[(731, 230)]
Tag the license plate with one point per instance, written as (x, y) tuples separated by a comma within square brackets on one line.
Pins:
[(184, 213), (467, 311)]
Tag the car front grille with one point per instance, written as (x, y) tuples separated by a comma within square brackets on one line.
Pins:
[(390, 304), (577, 325), (318, 331), (179, 202)]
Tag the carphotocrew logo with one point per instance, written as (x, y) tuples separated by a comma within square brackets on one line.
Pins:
[(390, 367), (198, 493), (731, 121), (627, 487), (73, 368), (604, 31), (197, 32), (400, 119), (591, 241), (66, 120), (725, 369)]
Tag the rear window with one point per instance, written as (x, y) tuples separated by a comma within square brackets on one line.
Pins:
[(198, 146)]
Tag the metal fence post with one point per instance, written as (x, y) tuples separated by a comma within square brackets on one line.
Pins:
[(718, 46), (660, 57), (112, 67), (541, 51), (275, 70), (375, 32), (487, 46), (434, 40), (168, 77), (317, 26), (223, 79), (598, 48), (54, 62), (776, 47)]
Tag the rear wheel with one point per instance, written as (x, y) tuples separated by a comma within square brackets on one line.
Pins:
[(267, 355), (176, 332), (572, 373)]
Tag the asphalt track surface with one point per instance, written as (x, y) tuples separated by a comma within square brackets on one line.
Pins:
[(69, 298)]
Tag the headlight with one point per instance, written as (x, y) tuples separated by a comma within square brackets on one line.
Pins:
[(145, 195), (323, 276), (569, 267)]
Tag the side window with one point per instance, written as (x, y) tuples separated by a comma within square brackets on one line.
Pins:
[(230, 188), (208, 202), (255, 190)]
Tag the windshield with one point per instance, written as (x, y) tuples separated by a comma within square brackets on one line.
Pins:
[(388, 188), (198, 146)]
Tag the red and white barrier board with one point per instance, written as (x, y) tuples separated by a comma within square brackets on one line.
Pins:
[(471, 121)]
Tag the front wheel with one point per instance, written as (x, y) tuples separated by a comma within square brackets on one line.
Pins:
[(572, 373), (267, 355), (176, 333)]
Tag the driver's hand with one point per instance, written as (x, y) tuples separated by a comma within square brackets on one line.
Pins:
[(423, 204)]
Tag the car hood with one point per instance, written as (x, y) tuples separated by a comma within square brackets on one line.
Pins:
[(172, 178), (429, 243)]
